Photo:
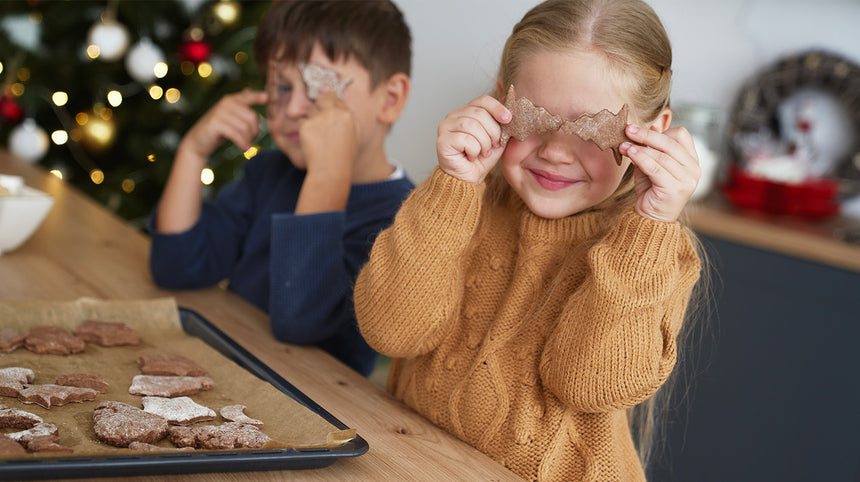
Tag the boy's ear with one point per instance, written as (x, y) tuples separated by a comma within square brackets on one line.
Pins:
[(500, 92), (663, 121), (396, 93)]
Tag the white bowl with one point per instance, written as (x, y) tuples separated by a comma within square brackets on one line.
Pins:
[(20, 215)]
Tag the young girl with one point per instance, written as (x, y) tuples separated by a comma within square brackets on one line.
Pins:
[(526, 307)]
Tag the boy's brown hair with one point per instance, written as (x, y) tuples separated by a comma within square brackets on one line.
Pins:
[(373, 32)]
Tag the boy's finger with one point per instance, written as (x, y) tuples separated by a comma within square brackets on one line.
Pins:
[(328, 99), (253, 97)]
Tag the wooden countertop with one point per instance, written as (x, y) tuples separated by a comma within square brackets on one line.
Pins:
[(84, 250), (818, 241)]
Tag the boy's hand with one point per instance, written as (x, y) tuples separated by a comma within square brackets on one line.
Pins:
[(232, 118), (667, 170), (328, 136), (469, 139), (330, 146)]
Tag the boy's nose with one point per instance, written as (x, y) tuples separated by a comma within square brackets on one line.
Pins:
[(299, 104)]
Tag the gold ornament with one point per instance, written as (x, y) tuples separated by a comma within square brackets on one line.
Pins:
[(227, 11), (98, 132)]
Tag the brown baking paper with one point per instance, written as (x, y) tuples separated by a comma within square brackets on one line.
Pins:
[(287, 422)]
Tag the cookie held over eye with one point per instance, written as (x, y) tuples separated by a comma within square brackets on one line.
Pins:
[(317, 78), (604, 129)]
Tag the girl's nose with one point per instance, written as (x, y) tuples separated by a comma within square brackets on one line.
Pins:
[(555, 148)]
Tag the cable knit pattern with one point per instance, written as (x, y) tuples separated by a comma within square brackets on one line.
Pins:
[(527, 337)]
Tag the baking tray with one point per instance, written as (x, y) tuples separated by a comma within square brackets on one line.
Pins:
[(196, 462)]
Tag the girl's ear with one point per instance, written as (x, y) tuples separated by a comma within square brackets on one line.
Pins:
[(500, 92), (396, 92), (663, 121)]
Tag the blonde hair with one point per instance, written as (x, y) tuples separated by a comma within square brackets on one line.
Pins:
[(630, 36), (639, 54)]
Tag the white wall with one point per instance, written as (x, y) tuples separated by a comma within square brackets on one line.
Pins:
[(718, 44)]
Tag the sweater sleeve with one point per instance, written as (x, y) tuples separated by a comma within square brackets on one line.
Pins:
[(407, 295), (204, 254), (615, 343)]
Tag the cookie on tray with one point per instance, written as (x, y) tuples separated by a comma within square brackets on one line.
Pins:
[(179, 410), (107, 333), (50, 395), (236, 413), (10, 447), (83, 380), (169, 365), (119, 424), (168, 386), (13, 379), (14, 418), (40, 430), (10, 340), (53, 340), (230, 435)]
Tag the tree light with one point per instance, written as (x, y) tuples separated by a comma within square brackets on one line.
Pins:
[(114, 98), (60, 98), (207, 176), (60, 137)]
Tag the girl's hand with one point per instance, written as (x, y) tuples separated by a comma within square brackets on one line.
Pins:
[(469, 139), (667, 170)]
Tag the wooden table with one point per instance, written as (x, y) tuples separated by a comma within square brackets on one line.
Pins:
[(82, 249)]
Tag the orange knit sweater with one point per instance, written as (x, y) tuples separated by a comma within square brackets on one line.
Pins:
[(523, 336)]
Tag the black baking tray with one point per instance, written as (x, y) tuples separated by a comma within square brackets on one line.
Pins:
[(196, 462)]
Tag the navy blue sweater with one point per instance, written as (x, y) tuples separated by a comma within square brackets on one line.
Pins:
[(299, 268)]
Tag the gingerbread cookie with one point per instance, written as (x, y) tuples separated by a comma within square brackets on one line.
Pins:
[(604, 129), (107, 333), (83, 380), (39, 430), (47, 444), (53, 340), (236, 413), (231, 435), (13, 379), (169, 365), (14, 418), (179, 410), (50, 395), (160, 386), (317, 78), (119, 424), (10, 340), (10, 447)]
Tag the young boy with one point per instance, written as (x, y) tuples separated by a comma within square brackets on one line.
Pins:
[(292, 233)]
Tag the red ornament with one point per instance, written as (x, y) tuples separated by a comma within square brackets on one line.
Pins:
[(195, 51), (10, 111)]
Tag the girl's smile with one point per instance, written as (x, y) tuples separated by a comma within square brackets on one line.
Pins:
[(559, 174), (550, 181)]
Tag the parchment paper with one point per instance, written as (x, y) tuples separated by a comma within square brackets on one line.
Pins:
[(286, 421)]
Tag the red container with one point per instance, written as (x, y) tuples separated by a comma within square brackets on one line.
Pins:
[(814, 199)]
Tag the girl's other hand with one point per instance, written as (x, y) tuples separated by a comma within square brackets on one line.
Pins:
[(667, 170), (469, 139)]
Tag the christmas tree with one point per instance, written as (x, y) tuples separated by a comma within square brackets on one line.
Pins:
[(101, 92)]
